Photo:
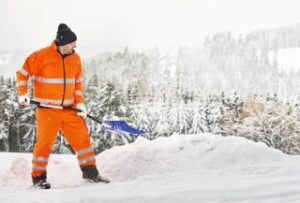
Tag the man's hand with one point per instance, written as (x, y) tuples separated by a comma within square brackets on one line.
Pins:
[(82, 108), (24, 100)]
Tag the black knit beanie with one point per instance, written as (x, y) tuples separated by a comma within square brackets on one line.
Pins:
[(64, 35)]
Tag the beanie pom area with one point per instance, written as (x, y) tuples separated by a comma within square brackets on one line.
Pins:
[(62, 27)]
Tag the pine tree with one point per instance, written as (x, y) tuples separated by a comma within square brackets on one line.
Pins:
[(14, 137), (230, 113), (184, 120), (206, 115), (4, 115), (164, 125)]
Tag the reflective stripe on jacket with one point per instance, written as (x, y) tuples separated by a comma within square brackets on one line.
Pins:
[(56, 80)]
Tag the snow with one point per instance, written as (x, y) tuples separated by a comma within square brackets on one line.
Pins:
[(180, 168)]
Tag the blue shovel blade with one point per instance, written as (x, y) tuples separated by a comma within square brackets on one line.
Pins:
[(120, 127)]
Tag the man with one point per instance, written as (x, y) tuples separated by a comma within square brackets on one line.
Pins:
[(57, 80)]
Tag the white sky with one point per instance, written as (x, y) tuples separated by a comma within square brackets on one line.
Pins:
[(31, 24)]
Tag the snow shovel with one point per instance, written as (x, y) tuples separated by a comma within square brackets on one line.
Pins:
[(115, 126)]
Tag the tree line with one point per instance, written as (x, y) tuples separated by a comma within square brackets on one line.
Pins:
[(261, 118)]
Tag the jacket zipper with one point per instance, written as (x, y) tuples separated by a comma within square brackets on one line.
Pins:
[(64, 70)]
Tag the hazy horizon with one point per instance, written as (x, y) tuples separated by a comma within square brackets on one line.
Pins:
[(32, 24)]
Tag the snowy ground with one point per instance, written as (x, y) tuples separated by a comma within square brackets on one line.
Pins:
[(196, 168)]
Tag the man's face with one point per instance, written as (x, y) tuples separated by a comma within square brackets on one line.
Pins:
[(68, 48)]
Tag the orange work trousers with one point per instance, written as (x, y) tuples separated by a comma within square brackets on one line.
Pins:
[(48, 123)]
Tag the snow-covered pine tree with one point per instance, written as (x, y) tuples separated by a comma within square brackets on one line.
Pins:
[(145, 117), (105, 102), (25, 122), (93, 95), (3, 116), (164, 125), (15, 113), (61, 146), (230, 113), (184, 119), (206, 115), (198, 123)]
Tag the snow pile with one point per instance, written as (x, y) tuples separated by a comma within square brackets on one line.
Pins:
[(180, 168), (183, 154)]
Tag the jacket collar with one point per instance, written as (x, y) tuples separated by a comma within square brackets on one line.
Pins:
[(55, 48)]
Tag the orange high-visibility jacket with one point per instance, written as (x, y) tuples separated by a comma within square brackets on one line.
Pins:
[(57, 80)]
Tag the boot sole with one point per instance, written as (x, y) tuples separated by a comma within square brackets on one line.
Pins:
[(93, 182)]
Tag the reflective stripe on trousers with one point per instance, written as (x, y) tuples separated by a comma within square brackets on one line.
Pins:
[(39, 163), (85, 155)]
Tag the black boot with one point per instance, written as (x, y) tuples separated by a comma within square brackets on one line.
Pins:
[(91, 174), (41, 181)]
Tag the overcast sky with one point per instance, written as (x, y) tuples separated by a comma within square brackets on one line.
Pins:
[(31, 24)]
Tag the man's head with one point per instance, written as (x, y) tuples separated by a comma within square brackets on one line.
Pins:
[(65, 39)]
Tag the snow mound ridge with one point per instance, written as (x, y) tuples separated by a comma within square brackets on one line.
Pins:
[(183, 153)]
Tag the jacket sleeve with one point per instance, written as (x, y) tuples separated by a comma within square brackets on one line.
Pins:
[(29, 68), (78, 94)]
